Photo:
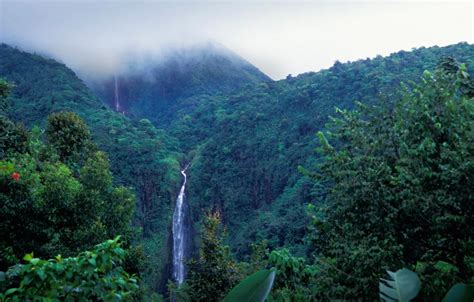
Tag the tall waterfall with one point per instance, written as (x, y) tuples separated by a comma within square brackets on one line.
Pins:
[(179, 233), (116, 94)]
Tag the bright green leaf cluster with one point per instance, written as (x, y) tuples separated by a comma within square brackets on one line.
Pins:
[(92, 275)]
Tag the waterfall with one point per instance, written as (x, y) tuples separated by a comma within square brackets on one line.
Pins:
[(117, 99), (179, 233)]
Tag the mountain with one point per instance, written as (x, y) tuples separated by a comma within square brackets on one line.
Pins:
[(154, 87), (248, 145), (243, 134), (141, 156)]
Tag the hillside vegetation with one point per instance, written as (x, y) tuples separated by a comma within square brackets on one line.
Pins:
[(386, 183), (141, 156), (248, 146)]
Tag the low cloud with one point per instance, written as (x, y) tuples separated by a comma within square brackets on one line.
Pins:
[(278, 37)]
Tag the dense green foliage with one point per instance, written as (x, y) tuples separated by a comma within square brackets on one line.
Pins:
[(213, 274), (397, 189), (246, 147), (295, 279), (67, 133), (14, 137), (392, 185), (95, 275), (394, 189), (59, 198), (141, 156), (56, 207)]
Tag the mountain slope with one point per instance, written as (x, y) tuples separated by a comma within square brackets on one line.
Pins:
[(245, 135), (248, 146), (154, 88), (141, 156)]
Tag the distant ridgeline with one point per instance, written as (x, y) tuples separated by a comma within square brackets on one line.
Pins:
[(244, 134)]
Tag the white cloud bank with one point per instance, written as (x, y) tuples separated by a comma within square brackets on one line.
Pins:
[(278, 37)]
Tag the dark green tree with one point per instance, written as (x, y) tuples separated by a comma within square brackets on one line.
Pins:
[(67, 133), (211, 276), (49, 209), (295, 280), (5, 88), (13, 137)]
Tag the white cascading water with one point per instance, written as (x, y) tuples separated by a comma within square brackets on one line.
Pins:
[(116, 93), (179, 235)]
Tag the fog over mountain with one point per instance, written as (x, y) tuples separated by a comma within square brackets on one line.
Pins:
[(278, 37), (236, 150)]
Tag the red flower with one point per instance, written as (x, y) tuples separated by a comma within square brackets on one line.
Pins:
[(16, 176)]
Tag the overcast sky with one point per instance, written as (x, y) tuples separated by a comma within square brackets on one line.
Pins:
[(278, 37)]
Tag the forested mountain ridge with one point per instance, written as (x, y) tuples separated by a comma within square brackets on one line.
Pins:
[(248, 168), (155, 87)]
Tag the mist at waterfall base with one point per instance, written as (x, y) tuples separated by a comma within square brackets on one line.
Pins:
[(180, 234)]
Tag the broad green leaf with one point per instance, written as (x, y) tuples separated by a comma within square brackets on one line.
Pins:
[(11, 291), (254, 288), (27, 280), (28, 257), (445, 267), (402, 286), (92, 261), (460, 293), (41, 274)]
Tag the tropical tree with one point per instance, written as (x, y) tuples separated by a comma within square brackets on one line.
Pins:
[(67, 133), (50, 207), (211, 276)]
